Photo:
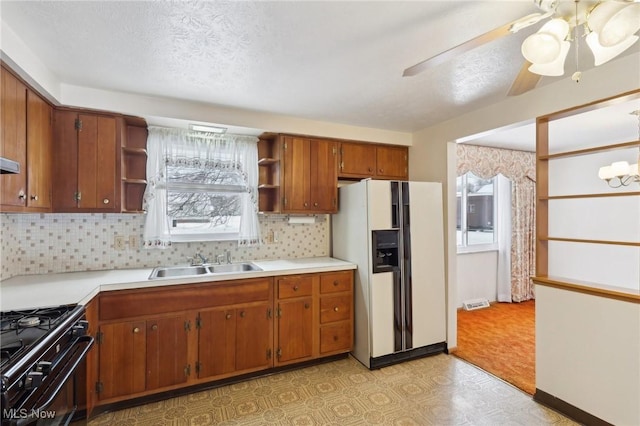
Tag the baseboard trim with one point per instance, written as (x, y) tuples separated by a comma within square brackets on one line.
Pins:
[(567, 409)]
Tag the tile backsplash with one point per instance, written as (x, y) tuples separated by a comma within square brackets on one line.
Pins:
[(50, 243)]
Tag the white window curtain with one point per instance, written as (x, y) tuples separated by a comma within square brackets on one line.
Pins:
[(166, 146), (504, 238)]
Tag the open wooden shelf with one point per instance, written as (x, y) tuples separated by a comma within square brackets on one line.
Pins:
[(590, 150), (596, 195), (586, 241)]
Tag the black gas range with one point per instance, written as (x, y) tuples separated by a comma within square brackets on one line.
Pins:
[(42, 354)]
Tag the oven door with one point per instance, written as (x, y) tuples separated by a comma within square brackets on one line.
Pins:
[(55, 401)]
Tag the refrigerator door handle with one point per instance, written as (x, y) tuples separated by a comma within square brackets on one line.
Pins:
[(398, 311)]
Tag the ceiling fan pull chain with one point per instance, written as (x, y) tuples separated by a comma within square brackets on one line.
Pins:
[(576, 75)]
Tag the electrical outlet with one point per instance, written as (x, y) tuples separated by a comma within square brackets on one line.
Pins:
[(133, 242), (119, 242)]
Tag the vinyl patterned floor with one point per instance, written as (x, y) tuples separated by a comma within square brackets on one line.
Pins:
[(437, 390)]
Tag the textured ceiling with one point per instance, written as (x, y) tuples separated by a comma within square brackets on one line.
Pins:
[(331, 61)]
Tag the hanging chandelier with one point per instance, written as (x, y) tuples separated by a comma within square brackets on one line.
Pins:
[(621, 173), (608, 26)]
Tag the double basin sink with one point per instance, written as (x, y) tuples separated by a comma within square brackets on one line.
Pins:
[(199, 270)]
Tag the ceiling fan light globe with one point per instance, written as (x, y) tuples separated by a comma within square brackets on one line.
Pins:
[(602, 13), (541, 48), (604, 54), (554, 68), (622, 25)]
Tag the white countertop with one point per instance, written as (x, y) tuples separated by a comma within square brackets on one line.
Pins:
[(37, 291)]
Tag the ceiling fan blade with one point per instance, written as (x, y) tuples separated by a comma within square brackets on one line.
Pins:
[(525, 81), (510, 28), (457, 50)]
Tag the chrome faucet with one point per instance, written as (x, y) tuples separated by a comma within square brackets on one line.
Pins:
[(195, 262), (222, 257)]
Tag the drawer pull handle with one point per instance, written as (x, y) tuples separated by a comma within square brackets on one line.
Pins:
[(315, 204), (105, 201), (228, 316), (335, 283), (154, 327), (295, 288), (242, 314), (34, 197), (136, 330), (306, 306), (336, 309), (335, 338)]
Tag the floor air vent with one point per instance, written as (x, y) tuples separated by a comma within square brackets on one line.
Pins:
[(472, 305)]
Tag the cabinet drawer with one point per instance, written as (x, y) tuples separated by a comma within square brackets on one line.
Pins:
[(335, 308), (335, 338), (339, 281), (295, 286)]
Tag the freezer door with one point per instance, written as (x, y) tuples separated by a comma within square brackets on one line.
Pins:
[(379, 198), (382, 314)]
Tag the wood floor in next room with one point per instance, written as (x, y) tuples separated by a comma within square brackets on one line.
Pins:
[(500, 339), (437, 390)]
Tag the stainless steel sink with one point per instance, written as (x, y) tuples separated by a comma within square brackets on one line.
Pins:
[(233, 267), (189, 271), (178, 271)]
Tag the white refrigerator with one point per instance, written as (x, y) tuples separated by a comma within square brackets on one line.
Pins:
[(393, 231)]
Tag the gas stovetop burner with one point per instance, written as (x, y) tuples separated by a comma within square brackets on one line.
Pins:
[(29, 321)]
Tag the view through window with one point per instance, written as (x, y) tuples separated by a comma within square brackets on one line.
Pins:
[(476, 212)]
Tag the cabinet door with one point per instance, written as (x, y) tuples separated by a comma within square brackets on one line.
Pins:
[(357, 160), (323, 176), (296, 185), (295, 329), (167, 343), (254, 337), (392, 162), (97, 165), (122, 358), (13, 123), (216, 342), (65, 162), (39, 150)]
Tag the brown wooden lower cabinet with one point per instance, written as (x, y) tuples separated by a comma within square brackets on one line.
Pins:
[(154, 340)]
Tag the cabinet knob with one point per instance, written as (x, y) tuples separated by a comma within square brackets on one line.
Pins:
[(335, 283), (136, 330), (381, 170), (370, 170), (335, 309), (154, 327), (228, 316), (34, 197), (306, 204), (335, 338), (315, 204), (22, 196), (105, 201), (306, 306), (242, 314), (295, 288)]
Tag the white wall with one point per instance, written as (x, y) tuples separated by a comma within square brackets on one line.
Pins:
[(588, 352), (477, 276)]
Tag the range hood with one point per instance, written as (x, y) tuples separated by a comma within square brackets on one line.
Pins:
[(9, 166)]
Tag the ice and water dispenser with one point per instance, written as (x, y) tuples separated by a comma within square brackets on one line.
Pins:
[(385, 250)]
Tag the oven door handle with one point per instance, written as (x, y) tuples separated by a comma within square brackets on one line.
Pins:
[(68, 369)]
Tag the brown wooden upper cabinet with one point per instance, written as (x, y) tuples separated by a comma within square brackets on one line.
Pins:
[(310, 175), (26, 122), (364, 160), (86, 162)]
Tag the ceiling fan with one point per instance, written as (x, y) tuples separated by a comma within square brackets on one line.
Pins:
[(609, 28)]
